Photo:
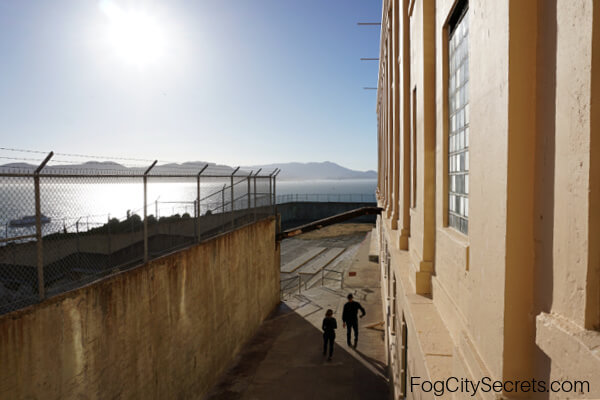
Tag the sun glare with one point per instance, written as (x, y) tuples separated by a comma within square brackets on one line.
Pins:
[(136, 37)]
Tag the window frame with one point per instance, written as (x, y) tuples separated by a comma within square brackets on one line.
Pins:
[(457, 117)]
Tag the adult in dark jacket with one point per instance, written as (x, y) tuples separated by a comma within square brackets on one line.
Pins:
[(350, 318), (329, 327)]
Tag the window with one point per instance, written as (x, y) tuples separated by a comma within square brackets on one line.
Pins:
[(394, 300), (458, 127), (404, 361)]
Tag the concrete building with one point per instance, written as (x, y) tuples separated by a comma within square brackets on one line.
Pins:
[(489, 176)]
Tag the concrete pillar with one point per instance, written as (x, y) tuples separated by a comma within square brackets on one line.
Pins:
[(390, 114), (519, 326), (423, 239), (386, 182), (404, 88), (577, 173), (395, 114), (378, 191)]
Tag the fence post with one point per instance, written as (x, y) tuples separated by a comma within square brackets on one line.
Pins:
[(199, 213), (196, 219), (222, 217), (78, 248), (233, 199), (108, 244), (38, 227), (257, 172), (146, 210), (249, 191), (271, 188), (275, 198), (223, 199), (299, 284), (323, 277)]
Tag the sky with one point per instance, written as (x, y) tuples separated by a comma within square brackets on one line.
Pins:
[(236, 82)]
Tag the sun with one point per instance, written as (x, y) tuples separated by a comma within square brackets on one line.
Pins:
[(136, 36)]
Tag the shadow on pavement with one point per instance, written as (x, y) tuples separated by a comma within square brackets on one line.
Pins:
[(284, 360), (378, 365)]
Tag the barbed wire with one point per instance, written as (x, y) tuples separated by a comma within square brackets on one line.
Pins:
[(163, 165), (92, 156), (23, 150), (21, 158)]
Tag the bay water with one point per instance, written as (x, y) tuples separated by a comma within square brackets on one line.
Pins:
[(82, 206)]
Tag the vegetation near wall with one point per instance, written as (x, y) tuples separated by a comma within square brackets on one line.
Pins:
[(164, 330)]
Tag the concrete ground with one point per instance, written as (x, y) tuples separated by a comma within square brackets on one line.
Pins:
[(285, 360)]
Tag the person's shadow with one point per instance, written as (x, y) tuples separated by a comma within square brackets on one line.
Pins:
[(378, 365)]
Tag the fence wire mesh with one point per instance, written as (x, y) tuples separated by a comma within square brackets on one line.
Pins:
[(326, 197), (86, 225), (18, 271)]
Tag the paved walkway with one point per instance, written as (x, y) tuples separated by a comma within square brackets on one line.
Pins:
[(284, 359)]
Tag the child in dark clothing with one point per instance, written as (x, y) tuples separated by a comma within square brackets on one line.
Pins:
[(329, 327)]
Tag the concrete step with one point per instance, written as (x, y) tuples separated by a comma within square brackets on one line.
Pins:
[(374, 246), (321, 261), (302, 259), (292, 248)]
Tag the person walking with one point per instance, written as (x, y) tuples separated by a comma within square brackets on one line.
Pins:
[(329, 327), (350, 318)]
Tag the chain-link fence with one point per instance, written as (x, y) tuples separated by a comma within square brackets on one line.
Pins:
[(63, 229)]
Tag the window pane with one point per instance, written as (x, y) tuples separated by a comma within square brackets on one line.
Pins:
[(458, 141)]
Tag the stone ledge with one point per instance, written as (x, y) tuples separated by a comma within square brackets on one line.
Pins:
[(432, 336), (574, 350)]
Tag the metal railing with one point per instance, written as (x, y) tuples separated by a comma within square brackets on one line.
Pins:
[(63, 229), (327, 197), (293, 285)]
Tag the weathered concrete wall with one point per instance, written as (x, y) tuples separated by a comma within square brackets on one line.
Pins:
[(164, 330), (297, 213)]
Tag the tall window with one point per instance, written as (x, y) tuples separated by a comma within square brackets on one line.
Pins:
[(394, 311), (458, 107), (404, 362), (413, 151)]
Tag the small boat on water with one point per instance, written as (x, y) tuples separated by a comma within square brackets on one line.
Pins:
[(28, 220)]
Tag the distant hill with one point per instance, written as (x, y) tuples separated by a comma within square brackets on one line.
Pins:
[(289, 171), (109, 167), (315, 170)]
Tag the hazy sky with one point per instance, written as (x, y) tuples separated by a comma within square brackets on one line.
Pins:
[(229, 81)]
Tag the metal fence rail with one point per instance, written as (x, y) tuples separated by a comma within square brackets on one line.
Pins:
[(63, 229), (293, 285), (327, 197)]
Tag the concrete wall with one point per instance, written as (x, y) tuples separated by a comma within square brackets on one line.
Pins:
[(163, 330), (298, 213), (568, 330)]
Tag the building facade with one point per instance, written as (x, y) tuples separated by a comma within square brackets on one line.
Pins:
[(489, 177)]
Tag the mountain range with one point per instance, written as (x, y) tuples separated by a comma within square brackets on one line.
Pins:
[(289, 171), (315, 170)]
